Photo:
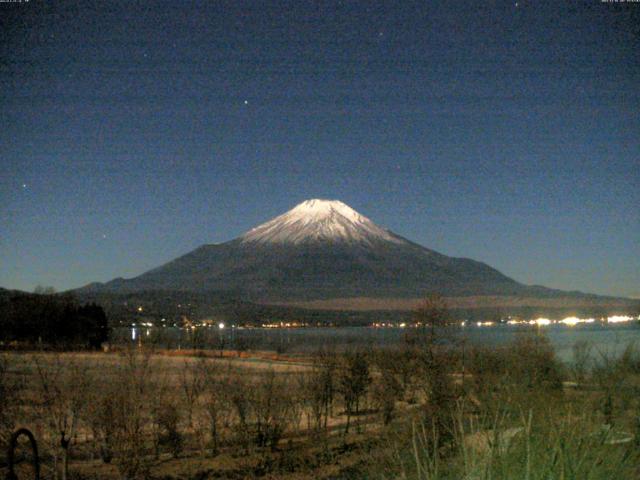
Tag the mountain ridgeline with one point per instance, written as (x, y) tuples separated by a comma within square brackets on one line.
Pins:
[(321, 250)]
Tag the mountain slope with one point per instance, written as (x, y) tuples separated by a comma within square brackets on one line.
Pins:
[(322, 249)]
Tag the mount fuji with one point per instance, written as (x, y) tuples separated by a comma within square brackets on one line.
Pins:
[(320, 250)]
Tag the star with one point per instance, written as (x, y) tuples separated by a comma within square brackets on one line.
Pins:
[(246, 102), (24, 185)]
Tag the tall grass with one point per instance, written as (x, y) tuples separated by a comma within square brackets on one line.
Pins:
[(510, 427), (564, 445)]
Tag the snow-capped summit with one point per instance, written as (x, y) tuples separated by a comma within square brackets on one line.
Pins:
[(317, 219)]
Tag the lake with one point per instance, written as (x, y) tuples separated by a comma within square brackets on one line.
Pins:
[(606, 339)]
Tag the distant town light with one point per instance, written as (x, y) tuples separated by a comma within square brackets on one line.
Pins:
[(571, 321), (221, 325), (540, 321), (139, 309)]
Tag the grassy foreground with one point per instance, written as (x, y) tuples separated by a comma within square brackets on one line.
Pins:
[(420, 411)]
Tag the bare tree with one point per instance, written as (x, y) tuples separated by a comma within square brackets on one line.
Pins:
[(274, 407), (431, 313), (353, 382), (62, 387), (158, 412), (387, 387), (170, 435), (100, 415), (237, 389), (319, 390), (438, 391), (215, 400), (132, 394), (191, 384), (42, 290)]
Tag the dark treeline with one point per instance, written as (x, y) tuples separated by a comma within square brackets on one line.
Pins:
[(233, 308), (51, 319)]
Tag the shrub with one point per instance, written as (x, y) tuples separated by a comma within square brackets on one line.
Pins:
[(170, 437), (528, 363)]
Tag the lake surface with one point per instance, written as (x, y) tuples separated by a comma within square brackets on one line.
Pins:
[(605, 339)]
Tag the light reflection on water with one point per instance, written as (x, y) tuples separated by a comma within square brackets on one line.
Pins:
[(609, 339)]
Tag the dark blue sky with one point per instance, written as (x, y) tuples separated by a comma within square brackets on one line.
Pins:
[(132, 132)]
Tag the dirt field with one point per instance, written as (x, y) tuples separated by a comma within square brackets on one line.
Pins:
[(404, 413), (58, 389)]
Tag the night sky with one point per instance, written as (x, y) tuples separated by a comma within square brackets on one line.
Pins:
[(132, 132)]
